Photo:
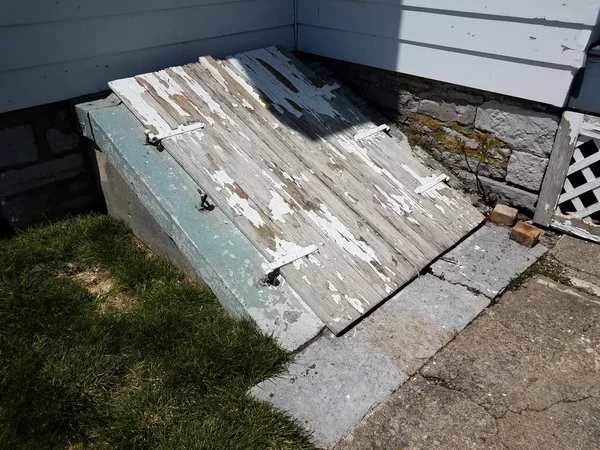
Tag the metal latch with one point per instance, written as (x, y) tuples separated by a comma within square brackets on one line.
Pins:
[(272, 269), (154, 139)]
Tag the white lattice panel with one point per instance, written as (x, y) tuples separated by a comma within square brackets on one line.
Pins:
[(570, 196), (580, 197)]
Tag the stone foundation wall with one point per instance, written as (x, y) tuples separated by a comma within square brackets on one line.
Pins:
[(502, 142), (45, 169)]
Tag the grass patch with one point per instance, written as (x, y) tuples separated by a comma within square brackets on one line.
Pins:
[(103, 346)]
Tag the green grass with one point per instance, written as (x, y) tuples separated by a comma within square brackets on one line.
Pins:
[(169, 370)]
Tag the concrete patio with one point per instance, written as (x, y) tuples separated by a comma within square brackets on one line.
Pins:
[(524, 375)]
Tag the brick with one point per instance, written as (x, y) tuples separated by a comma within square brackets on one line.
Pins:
[(525, 234), (17, 146), (504, 215)]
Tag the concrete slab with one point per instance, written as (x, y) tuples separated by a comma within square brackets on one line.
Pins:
[(333, 384), (578, 254), (83, 112), (335, 381), (524, 375), (219, 254), (487, 261)]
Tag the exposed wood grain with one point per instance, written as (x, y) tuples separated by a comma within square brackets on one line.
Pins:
[(385, 160), (279, 158), (568, 227), (560, 158), (316, 152)]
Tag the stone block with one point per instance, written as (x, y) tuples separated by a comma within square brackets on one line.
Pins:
[(22, 180), (525, 234), (61, 142), (527, 130), (448, 112), (504, 215), (469, 143), (17, 146), (501, 192), (526, 170), (502, 154), (487, 261)]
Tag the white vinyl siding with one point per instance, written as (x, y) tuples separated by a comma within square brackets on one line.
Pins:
[(59, 50), (523, 48)]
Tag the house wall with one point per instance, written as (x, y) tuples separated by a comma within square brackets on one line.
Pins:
[(529, 49), (59, 50)]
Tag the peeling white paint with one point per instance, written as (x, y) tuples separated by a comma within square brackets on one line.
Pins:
[(279, 207), (284, 98), (204, 62), (242, 207), (356, 304)]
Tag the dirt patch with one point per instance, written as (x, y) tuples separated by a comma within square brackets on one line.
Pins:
[(102, 285)]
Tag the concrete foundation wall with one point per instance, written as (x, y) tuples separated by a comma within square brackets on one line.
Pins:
[(45, 169), (502, 141)]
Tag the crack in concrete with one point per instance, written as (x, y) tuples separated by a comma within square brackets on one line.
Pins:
[(443, 383), (446, 385), (469, 288), (546, 408)]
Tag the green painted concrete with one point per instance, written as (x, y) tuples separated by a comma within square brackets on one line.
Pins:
[(217, 251)]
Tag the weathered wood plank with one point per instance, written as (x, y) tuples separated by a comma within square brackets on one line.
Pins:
[(226, 182), (278, 155), (356, 192), (560, 158), (380, 156), (273, 201)]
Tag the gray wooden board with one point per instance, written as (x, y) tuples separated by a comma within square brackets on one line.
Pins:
[(560, 158), (369, 160), (278, 156)]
